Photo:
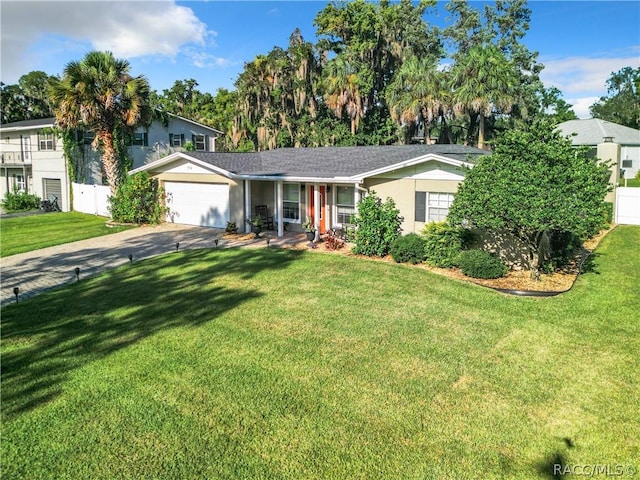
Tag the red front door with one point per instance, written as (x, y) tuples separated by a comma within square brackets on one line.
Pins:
[(323, 207)]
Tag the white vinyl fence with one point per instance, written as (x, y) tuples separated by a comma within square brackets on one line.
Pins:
[(91, 199), (628, 205)]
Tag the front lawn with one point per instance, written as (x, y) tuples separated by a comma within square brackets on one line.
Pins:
[(267, 363), (24, 234)]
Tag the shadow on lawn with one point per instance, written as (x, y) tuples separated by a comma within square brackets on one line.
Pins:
[(65, 329)]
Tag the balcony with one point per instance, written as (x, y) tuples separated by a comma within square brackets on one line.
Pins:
[(15, 158)]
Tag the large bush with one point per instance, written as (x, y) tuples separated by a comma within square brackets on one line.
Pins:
[(408, 248), (17, 201), (443, 243), (378, 225), (533, 182), (481, 264), (138, 199)]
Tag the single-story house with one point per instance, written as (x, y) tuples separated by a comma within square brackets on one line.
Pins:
[(324, 184), (593, 131)]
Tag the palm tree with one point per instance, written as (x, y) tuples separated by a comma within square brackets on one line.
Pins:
[(99, 94), (343, 92), (417, 94), (483, 79)]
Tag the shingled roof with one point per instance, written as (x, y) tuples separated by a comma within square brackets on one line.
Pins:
[(592, 132), (330, 162)]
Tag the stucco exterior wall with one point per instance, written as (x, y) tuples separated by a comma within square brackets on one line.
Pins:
[(403, 190)]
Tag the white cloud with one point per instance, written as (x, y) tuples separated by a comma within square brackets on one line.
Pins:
[(582, 80), (127, 28), (581, 105), (584, 76)]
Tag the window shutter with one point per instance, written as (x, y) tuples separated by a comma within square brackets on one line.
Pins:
[(182, 139), (145, 142), (421, 206), (171, 139), (38, 141), (193, 140), (206, 143), (54, 140)]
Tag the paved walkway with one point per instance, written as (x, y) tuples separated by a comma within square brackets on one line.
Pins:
[(40, 270)]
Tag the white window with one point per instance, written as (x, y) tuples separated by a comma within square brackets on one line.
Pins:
[(46, 141), (176, 139), (291, 202), (140, 139), (432, 206), (199, 142), (19, 183), (345, 204)]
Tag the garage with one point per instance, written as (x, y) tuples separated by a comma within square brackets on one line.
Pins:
[(202, 204)]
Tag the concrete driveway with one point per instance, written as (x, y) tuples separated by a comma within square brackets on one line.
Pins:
[(41, 270)]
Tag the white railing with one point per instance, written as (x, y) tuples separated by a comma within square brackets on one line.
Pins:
[(92, 199), (16, 157)]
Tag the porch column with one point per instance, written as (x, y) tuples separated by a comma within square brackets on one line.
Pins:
[(355, 198), (247, 206), (316, 210), (279, 209)]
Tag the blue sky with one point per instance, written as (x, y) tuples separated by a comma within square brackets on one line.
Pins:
[(580, 42)]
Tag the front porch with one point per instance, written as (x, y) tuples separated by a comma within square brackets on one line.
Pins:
[(327, 205)]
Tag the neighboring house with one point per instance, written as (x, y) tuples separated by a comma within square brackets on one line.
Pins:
[(152, 143), (33, 161), (325, 184), (594, 131)]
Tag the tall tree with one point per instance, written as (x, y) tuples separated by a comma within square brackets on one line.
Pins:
[(492, 36), (483, 80), (367, 44), (27, 100), (622, 105), (99, 93), (418, 95)]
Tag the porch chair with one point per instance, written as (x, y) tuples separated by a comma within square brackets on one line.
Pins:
[(267, 220)]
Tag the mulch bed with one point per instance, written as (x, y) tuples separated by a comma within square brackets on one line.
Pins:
[(521, 280)]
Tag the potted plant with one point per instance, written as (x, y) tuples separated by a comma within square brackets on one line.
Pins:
[(310, 228), (256, 225), (231, 227)]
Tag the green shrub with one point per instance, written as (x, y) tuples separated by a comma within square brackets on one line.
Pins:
[(481, 264), (408, 248), (138, 199), (378, 224), (443, 243), (17, 201), (608, 213)]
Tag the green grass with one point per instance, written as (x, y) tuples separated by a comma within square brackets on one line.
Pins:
[(631, 182), (24, 234), (246, 363)]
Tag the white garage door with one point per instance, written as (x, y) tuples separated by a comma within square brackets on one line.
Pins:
[(204, 204)]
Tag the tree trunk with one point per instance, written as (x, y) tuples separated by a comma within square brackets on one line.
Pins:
[(481, 132), (109, 160)]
